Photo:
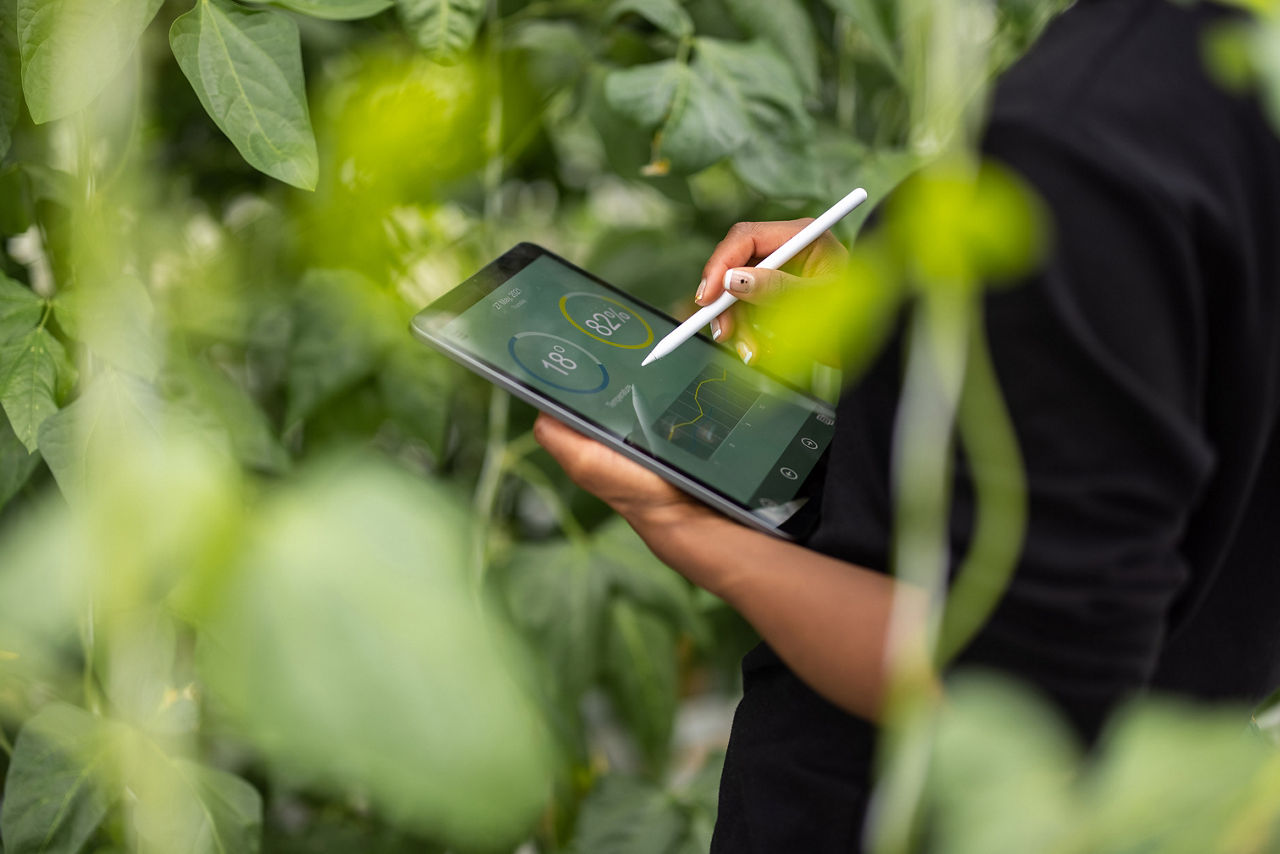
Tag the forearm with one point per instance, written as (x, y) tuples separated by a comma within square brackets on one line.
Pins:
[(827, 619)]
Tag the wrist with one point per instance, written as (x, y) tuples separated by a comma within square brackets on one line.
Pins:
[(697, 542)]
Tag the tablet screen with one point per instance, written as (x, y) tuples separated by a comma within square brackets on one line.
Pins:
[(700, 409)]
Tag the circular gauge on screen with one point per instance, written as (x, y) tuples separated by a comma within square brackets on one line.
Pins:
[(558, 362), (606, 320)]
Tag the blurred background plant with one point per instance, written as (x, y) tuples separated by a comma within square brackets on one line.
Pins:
[(273, 576)]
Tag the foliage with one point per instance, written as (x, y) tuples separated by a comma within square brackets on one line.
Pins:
[(272, 575)]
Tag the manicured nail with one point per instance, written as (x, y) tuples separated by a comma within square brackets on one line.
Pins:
[(740, 282), (702, 286), (715, 329), (745, 352)]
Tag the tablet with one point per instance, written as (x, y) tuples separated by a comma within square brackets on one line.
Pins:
[(733, 436)]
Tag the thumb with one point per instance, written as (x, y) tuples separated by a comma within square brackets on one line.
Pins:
[(753, 284)]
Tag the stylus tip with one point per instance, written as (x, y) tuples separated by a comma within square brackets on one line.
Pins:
[(649, 358)]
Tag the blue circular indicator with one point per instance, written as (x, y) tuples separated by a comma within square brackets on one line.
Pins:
[(558, 362)]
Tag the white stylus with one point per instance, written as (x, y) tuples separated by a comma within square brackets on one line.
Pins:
[(780, 256)]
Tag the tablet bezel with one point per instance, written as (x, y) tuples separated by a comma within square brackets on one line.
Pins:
[(428, 324)]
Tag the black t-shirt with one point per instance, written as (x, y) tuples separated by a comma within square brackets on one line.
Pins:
[(1141, 368)]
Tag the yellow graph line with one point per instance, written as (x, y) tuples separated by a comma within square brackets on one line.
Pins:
[(723, 376)]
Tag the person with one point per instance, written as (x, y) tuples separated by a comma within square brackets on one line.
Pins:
[(1141, 368)]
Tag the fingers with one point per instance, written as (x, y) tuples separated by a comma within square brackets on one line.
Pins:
[(570, 448), (745, 242), (590, 464), (747, 345), (722, 327), (751, 284)]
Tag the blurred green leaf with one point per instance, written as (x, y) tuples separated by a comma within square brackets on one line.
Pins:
[(336, 10), (786, 25), (246, 68), (344, 324), (558, 595), (350, 648), (640, 663), (16, 462), (215, 397), (666, 15), (1183, 776), (28, 382), (961, 225), (560, 592), (623, 815), (443, 28), (116, 412), (71, 49), (10, 74), (865, 16), (61, 781), (636, 574), (20, 309), (417, 386), (1004, 766), (187, 808), (114, 318)]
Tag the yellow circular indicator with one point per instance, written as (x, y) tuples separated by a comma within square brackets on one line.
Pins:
[(607, 321)]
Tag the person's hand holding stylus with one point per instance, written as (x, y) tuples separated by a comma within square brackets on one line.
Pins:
[(745, 244), (799, 242)]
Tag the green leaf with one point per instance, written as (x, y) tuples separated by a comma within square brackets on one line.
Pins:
[(116, 411), (778, 156), (72, 49), (558, 595), (644, 93), (334, 10), (343, 325), (698, 125), (443, 28), (733, 95), (60, 782), (636, 574), (194, 809), (10, 73), (786, 25), (349, 645), (623, 815), (641, 675), (666, 15), (20, 309), (866, 18), (28, 382), (246, 68), (417, 386), (16, 462), (215, 399), (112, 317)]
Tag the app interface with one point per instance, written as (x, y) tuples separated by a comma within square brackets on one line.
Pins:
[(699, 408)]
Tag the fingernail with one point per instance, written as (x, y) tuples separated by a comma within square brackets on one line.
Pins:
[(715, 329), (745, 352), (740, 282), (702, 286)]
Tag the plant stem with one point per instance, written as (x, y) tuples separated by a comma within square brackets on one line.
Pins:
[(846, 81), (89, 643), (486, 496), (921, 476), (535, 478)]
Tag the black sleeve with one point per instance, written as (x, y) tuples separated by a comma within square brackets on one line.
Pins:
[(1098, 356)]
